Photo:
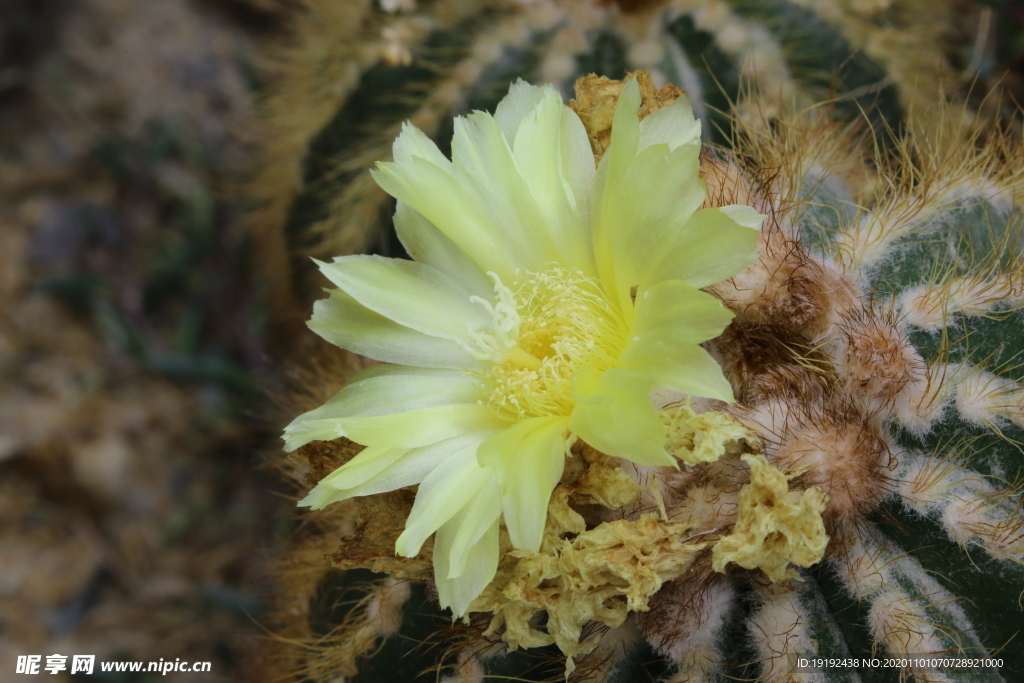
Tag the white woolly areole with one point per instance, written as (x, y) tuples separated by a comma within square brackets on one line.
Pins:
[(961, 517), (862, 570), (903, 626), (869, 243), (902, 596), (693, 640), (923, 400), (778, 628), (612, 649), (925, 482), (469, 670), (983, 398), (929, 306), (770, 420), (971, 510), (384, 611)]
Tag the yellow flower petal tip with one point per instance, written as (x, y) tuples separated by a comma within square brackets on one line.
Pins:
[(549, 295), (775, 527)]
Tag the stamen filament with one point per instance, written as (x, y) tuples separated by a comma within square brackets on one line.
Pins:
[(547, 326)]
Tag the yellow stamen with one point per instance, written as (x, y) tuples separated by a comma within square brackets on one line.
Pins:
[(563, 323)]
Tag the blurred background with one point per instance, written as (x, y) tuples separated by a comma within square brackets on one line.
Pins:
[(153, 155), (135, 515)]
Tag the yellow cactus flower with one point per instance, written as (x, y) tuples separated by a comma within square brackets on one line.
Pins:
[(546, 299)]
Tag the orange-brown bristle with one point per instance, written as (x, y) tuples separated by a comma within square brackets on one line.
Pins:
[(830, 438), (875, 359)]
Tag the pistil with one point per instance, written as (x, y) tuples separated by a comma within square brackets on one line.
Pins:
[(524, 360)]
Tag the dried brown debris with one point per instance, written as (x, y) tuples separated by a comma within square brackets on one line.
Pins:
[(596, 97)]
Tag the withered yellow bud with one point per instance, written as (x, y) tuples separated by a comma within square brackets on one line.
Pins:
[(596, 97)]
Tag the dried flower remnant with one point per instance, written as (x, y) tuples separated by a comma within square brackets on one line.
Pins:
[(582, 575), (597, 97), (600, 572), (703, 437), (775, 526)]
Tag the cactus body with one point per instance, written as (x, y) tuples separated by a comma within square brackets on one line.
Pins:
[(874, 349)]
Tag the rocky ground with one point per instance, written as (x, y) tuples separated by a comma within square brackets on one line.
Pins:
[(135, 516)]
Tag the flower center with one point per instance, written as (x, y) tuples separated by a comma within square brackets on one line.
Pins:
[(564, 323)]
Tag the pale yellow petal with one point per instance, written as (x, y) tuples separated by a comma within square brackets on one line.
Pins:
[(443, 492), (484, 163), (421, 427), (338, 485), (712, 246), (528, 458), (479, 570), (671, 319), (687, 369), (614, 164), (614, 415), (384, 389), (345, 322), (381, 390), (640, 201), (579, 168), (378, 469), (426, 244), (673, 125), (676, 312), (475, 520), (413, 467), (412, 294), (457, 212), (622, 148), (747, 216), (522, 98), (367, 464), (547, 150), (502, 216), (321, 496), (412, 142)]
